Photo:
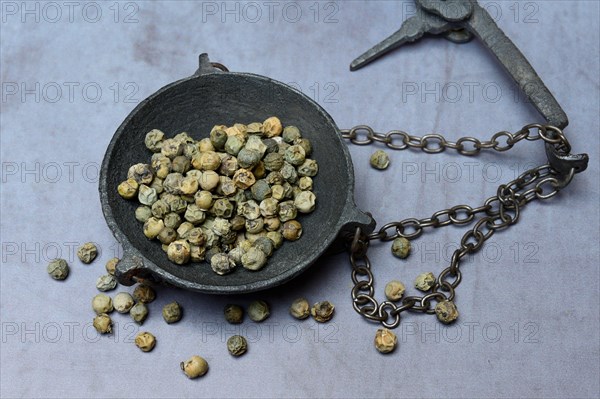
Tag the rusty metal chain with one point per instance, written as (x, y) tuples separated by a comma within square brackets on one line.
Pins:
[(498, 212)]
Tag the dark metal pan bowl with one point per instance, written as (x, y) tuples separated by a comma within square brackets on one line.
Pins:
[(194, 105)]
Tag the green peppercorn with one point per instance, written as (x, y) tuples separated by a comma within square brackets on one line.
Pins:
[(269, 207), (305, 144), (247, 159), (243, 178), (171, 148), (194, 214), (172, 312), (273, 161), (394, 290), (272, 146), (209, 160), (249, 209), (102, 303), (145, 341), (153, 227), (210, 179), (309, 168), (167, 235), (143, 213), (254, 128), (103, 324), (184, 228), (141, 173), (183, 137), (144, 293), (106, 282), (322, 311), (276, 237), (254, 259), (58, 269), (195, 236), (265, 244), (305, 201), (295, 155), (159, 209), (258, 311), (203, 199), (161, 166), (290, 134), (255, 226), (446, 311), (401, 247), (180, 164), (385, 340), (154, 139), (380, 160), (272, 127), (287, 211), (111, 265), (172, 183), (189, 185), (221, 227), (237, 345), (255, 143), (139, 313), (237, 223), (300, 309), (179, 252), (157, 185), (194, 367), (123, 302), (147, 195), (234, 314), (226, 186), (272, 223), (87, 252), (425, 281), (289, 173), (261, 190), (172, 220), (229, 165), (234, 145), (191, 149), (218, 138), (222, 264), (197, 253), (275, 178)]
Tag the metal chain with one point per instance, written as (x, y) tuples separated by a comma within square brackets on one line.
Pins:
[(436, 143), (498, 212)]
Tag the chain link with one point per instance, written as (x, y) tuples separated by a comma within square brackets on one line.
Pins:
[(497, 212), (436, 143)]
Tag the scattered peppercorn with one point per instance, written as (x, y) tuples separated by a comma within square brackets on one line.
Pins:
[(58, 269), (194, 367), (258, 311), (145, 341), (300, 309), (425, 281), (385, 340), (172, 312), (322, 311), (237, 345), (87, 252)]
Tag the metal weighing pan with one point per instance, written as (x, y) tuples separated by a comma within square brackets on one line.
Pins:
[(194, 105)]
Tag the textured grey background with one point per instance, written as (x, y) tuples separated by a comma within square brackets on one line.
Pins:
[(529, 301)]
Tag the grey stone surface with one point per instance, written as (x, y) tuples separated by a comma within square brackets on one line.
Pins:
[(529, 301)]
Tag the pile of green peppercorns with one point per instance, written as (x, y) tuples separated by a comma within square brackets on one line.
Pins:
[(231, 198)]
